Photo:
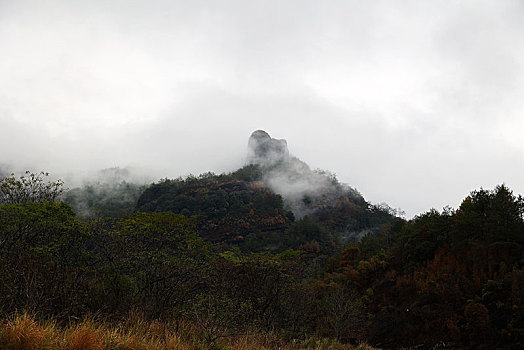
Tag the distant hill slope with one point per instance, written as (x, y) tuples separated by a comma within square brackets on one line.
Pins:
[(111, 192), (227, 206)]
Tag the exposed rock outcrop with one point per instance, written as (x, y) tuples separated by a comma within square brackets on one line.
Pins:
[(304, 191), (263, 149)]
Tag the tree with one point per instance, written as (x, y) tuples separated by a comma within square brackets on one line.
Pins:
[(343, 315), (42, 258), (29, 188), (490, 216), (163, 258)]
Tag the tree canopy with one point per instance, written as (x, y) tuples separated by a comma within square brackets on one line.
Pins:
[(29, 188)]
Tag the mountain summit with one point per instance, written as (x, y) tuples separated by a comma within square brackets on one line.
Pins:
[(263, 149), (305, 191)]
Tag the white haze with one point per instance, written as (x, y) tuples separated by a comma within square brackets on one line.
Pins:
[(295, 181), (413, 103)]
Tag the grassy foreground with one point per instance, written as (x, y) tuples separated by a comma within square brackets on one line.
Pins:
[(23, 332)]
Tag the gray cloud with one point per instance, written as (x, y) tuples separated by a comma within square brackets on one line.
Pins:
[(412, 103)]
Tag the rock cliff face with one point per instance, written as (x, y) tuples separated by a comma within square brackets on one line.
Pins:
[(305, 191), (263, 149)]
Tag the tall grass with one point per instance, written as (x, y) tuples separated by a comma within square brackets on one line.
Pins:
[(23, 332)]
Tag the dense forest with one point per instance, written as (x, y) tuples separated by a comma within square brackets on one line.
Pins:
[(229, 256)]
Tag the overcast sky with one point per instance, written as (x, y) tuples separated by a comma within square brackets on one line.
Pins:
[(414, 103)]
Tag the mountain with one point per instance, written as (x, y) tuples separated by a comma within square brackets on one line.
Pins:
[(266, 198)]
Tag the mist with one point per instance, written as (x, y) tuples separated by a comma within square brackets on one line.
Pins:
[(411, 103), (303, 190)]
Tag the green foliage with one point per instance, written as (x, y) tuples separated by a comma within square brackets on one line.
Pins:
[(452, 276), (104, 199), (352, 216), (419, 240), (28, 188), (42, 256), (227, 208), (35, 225), (490, 216), (162, 256), (307, 229), (248, 173)]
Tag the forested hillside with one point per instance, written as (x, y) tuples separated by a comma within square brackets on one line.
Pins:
[(275, 202), (229, 256), (239, 208), (455, 276), (227, 207)]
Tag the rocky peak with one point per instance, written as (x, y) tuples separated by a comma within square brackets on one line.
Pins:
[(263, 149)]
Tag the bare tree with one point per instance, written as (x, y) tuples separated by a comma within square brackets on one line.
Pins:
[(343, 314)]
